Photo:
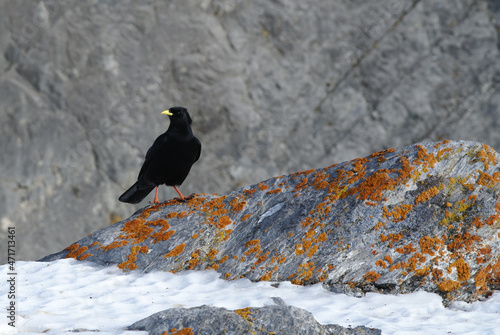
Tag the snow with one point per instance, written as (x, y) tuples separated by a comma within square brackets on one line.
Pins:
[(64, 295)]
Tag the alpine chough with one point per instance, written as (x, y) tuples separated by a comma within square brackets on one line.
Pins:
[(169, 159)]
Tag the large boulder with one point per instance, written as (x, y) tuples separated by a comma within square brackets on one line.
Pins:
[(273, 87), (259, 321), (423, 217)]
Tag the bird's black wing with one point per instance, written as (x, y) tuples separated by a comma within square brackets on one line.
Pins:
[(161, 140), (199, 150)]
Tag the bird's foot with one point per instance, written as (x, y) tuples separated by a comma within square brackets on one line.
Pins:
[(184, 199), (156, 200)]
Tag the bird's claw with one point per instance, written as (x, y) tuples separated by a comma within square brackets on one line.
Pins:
[(184, 199)]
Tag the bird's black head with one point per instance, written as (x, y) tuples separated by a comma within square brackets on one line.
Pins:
[(178, 114)]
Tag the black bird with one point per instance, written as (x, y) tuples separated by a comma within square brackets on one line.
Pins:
[(169, 159)]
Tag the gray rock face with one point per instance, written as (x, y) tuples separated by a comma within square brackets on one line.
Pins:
[(273, 87), (423, 217), (259, 321)]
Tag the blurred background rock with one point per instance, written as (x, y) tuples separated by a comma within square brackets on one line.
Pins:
[(273, 87)]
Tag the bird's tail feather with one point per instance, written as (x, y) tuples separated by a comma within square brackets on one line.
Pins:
[(136, 193)]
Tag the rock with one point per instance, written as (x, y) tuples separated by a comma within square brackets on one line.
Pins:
[(272, 87), (361, 330), (260, 321), (423, 217)]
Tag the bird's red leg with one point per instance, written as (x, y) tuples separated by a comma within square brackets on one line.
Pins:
[(181, 197), (155, 200)]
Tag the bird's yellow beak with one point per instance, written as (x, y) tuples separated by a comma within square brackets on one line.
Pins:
[(167, 112)]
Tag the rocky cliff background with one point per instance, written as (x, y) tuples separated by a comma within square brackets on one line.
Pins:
[(273, 87)]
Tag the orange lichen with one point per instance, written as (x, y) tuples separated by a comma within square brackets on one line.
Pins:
[(391, 237), (262, 186), (246, 217), (477, 223), (413, 261), (442, 153), (249, 192), (237, 204), (437, 145), (114, 244), (485, 179), (381, 153), (423, 272), (131, 258), (300, 186), (136, 230), (304, 273), (462, 241), (195, 259), (162, 236), (486, 156), (72, 247), (275, 191), (424, 158), (398, 213), (429, 245), (266, 277), (448, 285), (176, 251), (407, 249), (463, 270), (280, 259), (225, 234), (319, 181), (154, 208), (183, 331), (77, 252), (307, 222), (171, 215), (426, 195), (214, 207), (310, 234), (244, 312), (211, 254), (373, 186), (312, 250), (437, 274), (252, 242), (224, 221), (322, 237), (458, 212), (223, 259), (262, 258), (84, 256), (252, 250), (371, 276), (491, 220), (301, 173)]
